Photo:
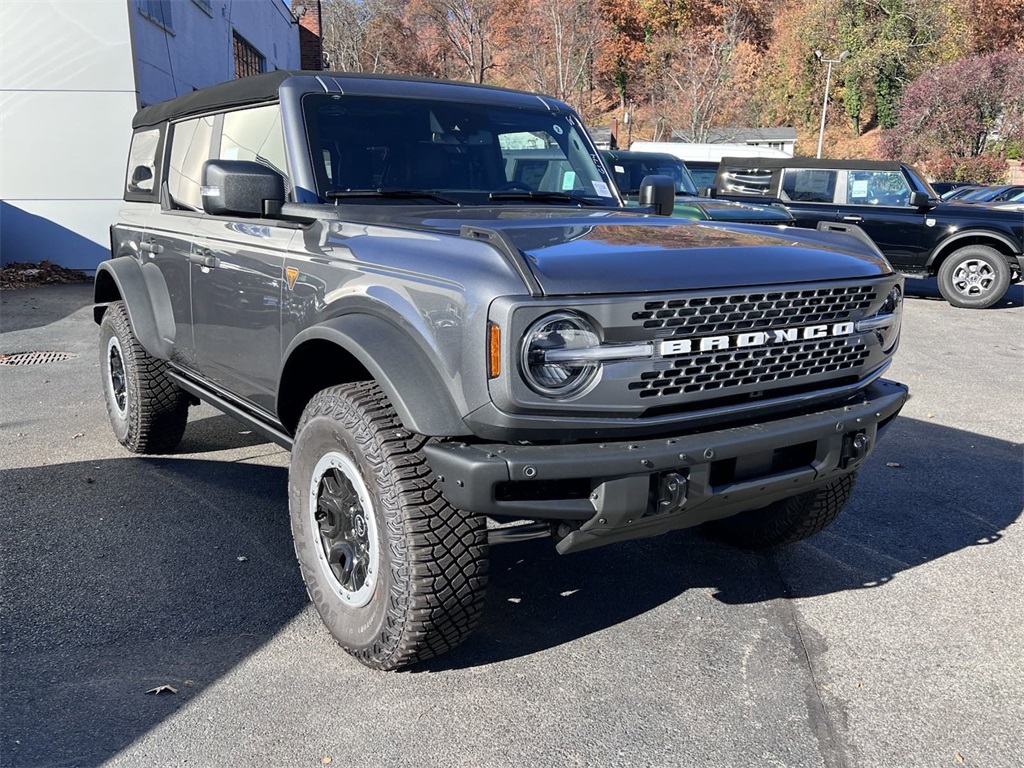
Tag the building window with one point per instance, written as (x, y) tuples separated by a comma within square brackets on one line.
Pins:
[(157, 11), (205, 5), (248, 61)]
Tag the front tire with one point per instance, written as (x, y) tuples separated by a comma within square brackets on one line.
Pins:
[(786, 521), (396, 573), (974, 277), (148, 412)]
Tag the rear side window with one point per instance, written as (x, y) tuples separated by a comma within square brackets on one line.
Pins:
[(141, 181), (190, 148), (807, 185)]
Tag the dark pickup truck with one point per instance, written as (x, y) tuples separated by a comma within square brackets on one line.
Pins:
[(975, 251), (458, 354)]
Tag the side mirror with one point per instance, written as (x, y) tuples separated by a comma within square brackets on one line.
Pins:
[(921, 200), (241, 188), (140, 176), (709, 192), (659, 192)]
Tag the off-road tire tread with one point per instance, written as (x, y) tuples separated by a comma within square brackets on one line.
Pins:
[(159, 414), (787, 521), (439, 557)]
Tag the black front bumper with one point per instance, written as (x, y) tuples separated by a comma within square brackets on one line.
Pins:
[(632, 489)]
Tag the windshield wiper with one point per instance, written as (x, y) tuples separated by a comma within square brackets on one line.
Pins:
[(391, 194), (533, 194)]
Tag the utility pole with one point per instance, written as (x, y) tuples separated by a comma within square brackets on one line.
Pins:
[(828, 82)]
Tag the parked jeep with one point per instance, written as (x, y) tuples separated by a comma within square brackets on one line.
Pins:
[(629, 169), (975, 251), (456, 357)]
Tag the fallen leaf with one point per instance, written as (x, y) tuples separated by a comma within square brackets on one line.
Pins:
[(958, 757), (326, 760), (241, 558), (894, 464), (162, 689)]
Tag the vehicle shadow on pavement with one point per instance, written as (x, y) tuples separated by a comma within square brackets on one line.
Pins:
[(929, 289), (952, 490), (123, 575)]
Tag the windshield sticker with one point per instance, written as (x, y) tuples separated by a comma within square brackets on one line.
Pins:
[(860, 188), (619, 169), (557, 129), (602, 189), (569, 180)]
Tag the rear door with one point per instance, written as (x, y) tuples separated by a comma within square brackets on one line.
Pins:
[(810, 194)]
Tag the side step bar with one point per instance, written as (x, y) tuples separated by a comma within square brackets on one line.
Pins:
[(234, 409)]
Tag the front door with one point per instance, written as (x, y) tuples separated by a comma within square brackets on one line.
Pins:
[(878, 202)]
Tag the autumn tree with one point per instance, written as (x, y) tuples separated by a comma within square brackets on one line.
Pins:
[(962, 114)]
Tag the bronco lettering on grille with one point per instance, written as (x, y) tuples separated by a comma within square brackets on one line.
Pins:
[(670, 347)]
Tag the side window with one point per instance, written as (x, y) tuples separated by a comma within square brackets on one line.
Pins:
[(255, 134), (809, 185), (190, 148), (140, 183), (877, 188)]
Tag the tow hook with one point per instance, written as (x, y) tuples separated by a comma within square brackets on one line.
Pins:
[(671, 492), (855, 448)]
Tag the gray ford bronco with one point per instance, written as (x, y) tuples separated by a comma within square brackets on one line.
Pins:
[(457, 357)]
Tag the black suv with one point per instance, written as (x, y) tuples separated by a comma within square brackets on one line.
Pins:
[(975, 251), (459, 354)]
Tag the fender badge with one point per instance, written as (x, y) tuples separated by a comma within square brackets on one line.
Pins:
[(929, 222), (292, 274)]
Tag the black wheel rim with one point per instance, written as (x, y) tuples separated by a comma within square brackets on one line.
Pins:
[(118, 381), (343, 522)]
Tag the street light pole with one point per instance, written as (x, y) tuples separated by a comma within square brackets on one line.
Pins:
[(828, 82)]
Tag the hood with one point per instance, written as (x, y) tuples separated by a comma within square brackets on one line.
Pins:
[(621, 253), (723, 210)]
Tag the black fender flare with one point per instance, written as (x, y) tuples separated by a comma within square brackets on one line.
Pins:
[(398, 363), (970, 234), (145, 296)]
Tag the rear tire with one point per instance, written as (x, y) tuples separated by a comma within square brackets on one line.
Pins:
[(787, 521), (397, 574), (974, 277), (148, 412)]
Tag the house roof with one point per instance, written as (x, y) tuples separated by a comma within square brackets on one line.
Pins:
[(739, 135)]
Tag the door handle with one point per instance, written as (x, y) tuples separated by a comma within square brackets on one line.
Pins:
[(150, 246), (854, 219), (204, 259)]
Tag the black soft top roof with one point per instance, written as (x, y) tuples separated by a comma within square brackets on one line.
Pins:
[(810, 162), (260, 88)]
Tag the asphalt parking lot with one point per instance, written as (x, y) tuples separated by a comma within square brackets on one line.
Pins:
[(896, 638)]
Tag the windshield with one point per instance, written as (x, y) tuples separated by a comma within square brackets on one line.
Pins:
[(464, 153), (629, 169)]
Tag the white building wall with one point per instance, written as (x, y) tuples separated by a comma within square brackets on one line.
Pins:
[(72, 74), (67, 96), (196, 49)]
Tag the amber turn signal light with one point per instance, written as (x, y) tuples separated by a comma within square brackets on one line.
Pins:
[(493, 351)]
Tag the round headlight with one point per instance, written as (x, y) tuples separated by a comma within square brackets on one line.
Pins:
[(560, 332), (889, 334)]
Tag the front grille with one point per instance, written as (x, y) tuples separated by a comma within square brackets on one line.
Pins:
[(754, 311), (750, 368)]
